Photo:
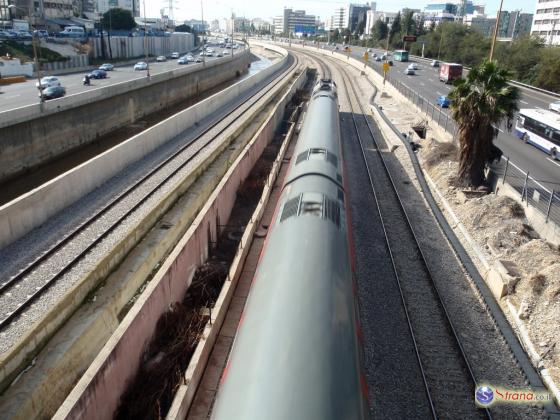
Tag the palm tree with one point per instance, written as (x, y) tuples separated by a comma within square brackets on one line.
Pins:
[(479, 104)]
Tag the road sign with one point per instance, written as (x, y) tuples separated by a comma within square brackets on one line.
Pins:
[(386, 67), (305, 29), (409, 38), (366, 56)]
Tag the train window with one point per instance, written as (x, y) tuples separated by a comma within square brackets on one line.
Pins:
[(302, 156), (311, 204), (331, 157), (290, 208), (332, 211)]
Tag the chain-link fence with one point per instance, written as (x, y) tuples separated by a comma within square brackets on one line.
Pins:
[(532, 192)]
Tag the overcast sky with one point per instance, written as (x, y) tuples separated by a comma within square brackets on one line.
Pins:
[(217, 9)]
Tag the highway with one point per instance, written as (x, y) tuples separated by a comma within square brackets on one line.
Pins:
[(426, 83), (21, 94)]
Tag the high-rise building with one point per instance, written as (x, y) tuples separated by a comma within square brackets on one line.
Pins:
[(351, 16), (296, 18), (546, 22), (278, 24), (512, 24), (374, 16)]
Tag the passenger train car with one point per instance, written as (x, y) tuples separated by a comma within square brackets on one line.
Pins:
[(296, 354)]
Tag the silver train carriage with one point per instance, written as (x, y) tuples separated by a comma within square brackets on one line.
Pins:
[(297, 354)]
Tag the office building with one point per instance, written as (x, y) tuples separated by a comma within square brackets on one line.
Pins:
[(546, 22)]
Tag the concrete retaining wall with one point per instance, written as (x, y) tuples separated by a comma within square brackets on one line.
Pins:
[(35, 134), (31, 210), (127, 47), (98, 392)]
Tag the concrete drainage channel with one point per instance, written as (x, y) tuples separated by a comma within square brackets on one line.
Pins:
[(98, 392)]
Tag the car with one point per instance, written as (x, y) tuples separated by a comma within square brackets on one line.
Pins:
[(374, 55), (26, 35), (554, 106), (48, 81), (443, 101), (377, 58), (161, 58), (183, 60), (98, 74), (198, 59), (190, 58), (106, 67), (53, 92), (384, 57), (41, 33), (409, 71), (336, 48), (141, 65), (219, 54), (413, 66), (434, 63), (390, 62), (175, 54), (368, 50)]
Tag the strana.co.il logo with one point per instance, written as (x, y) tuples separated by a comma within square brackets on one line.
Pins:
[(488, 395), (484, 395)]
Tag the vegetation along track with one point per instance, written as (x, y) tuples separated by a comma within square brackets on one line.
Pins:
[(448, 378), (15, 304)]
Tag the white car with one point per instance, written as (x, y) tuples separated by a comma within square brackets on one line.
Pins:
[(183, 60), (48, 81), (141, 65), (174, 55), (161, 58), (190, 58), (554, 106), (413, 66)]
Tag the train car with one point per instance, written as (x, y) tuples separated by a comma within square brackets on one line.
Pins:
[(296, 354)]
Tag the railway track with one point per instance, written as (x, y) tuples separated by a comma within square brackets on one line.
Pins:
[(14, 303), (446, 372)]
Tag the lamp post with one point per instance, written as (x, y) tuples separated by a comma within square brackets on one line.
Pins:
[(203, 33), (496, 28), (146, 43), (35, 59)]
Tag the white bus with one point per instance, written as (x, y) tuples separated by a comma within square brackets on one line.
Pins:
[(541, 128)]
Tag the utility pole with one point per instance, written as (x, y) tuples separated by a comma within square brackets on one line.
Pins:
[(146, 42), (232, 30), (440, 41), (496, 31), (203, 33)]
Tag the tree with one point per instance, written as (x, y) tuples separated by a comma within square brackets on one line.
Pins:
[(395, 27), (479, 104), (183, 28), (548, 69), (379, 30), (118, 19)]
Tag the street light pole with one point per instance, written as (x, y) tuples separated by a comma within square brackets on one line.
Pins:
[(35, 58), (496, 30), (203, 33), (146, 43)]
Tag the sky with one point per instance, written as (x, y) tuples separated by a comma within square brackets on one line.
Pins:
[(217, 9)]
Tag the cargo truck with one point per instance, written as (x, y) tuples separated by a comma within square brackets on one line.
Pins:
[(449, 72)]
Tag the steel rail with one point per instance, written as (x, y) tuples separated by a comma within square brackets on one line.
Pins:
[(246, 104), (417, 244)]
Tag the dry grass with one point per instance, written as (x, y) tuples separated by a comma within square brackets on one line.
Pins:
[(439, 153), (537, 284)]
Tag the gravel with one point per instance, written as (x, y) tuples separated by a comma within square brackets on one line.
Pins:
[(22, 252), (484, 345)]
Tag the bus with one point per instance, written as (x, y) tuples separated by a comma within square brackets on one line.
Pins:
[(541, 128), (401, 55)]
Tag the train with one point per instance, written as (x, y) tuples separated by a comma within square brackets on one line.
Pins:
[(297, 352)]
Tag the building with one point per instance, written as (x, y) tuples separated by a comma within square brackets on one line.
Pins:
[(351, 16), (512, 24), (197, 25), (215, 25), (278, 24), (546, 22), (261, 25), (297, 19), (373, 16)]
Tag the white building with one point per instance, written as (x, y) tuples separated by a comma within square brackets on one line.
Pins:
[(103, 5), (373, 16), (546, 21), (278, 24)]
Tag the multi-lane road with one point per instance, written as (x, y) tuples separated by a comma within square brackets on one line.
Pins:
[(427, 84), (22, 94)]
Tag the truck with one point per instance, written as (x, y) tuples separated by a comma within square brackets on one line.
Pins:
[(449, 72)]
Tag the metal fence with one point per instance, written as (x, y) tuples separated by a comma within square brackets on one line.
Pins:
[(531, 192)]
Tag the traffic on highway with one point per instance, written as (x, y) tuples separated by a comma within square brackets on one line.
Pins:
[(22, 94), (425, 81)]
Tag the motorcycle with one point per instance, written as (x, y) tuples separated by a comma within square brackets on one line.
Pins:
[(86, 80)]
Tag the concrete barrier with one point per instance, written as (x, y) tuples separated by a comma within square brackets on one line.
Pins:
[(36, 134), (34, 208), (97, 394)]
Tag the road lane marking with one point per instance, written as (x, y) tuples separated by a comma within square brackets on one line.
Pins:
[(439, 93), (13, 96), (553, 161), (523, 102), (422, 84), (431, 80)]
